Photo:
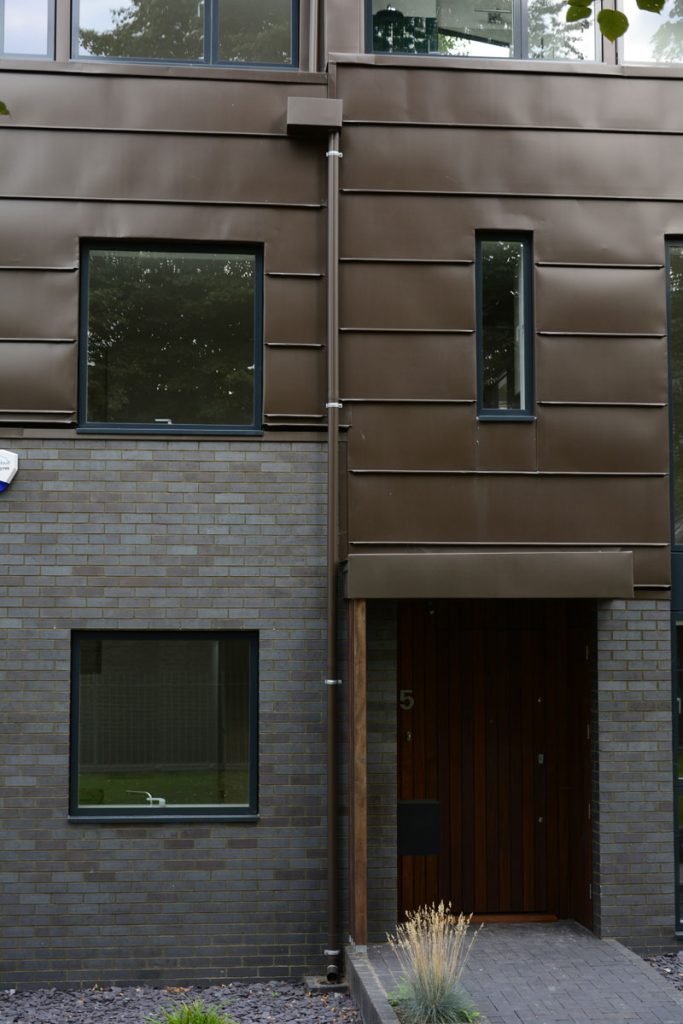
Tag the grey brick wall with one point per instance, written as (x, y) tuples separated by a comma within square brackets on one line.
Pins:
[(382, 754), (128, 534), (633, 892)]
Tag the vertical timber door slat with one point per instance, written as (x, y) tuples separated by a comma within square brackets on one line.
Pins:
[(447, 867), (462, 761), (496, 698)]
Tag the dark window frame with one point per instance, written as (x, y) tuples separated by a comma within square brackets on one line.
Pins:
[(11, 55), (519, 47), (227, 812), (210, 56), (525, 413), (672, 242), (161, 245), (676, 654)]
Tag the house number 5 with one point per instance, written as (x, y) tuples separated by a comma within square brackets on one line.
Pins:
[(406, 699)]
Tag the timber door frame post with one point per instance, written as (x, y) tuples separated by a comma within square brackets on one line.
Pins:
[(358, 773)]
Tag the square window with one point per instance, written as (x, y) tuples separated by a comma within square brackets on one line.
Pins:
[(503, 278), (164, 725), (171, 339)]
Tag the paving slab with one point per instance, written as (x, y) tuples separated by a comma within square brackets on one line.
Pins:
[(556, 973)]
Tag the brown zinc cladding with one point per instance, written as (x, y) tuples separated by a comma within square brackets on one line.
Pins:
[(431, 156), (130, 156)]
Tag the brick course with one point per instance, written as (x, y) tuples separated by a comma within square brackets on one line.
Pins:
[(633, 854), (129, 534)]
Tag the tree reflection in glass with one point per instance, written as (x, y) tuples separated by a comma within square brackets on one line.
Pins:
[(170, 337)]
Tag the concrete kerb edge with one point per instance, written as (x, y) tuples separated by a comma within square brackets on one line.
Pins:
[(367, 989)]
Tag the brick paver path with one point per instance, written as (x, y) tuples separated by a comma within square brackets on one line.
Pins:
[(541, 974)]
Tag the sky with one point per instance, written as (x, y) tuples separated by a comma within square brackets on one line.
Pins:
[(26, 26)]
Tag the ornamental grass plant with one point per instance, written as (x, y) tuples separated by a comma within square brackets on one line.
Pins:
[(432, 948), (191, 1013)]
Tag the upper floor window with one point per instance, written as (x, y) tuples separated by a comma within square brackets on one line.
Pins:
[(193, 31), (653, 38), (26, 28), (676, 369), (170, 339), (464, 28), (503, 269)]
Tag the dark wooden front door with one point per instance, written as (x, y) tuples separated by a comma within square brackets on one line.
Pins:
[(494, 756)]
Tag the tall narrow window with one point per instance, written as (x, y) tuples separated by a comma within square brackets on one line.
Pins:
[(503, 326), (676, 344), (26, 28), (163, 725)]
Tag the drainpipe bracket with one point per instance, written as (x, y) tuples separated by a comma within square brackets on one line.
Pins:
[(334, 405), (334, 152), (333, 682)]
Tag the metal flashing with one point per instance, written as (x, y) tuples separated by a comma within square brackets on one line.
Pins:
[(501, 574), (313, 115)]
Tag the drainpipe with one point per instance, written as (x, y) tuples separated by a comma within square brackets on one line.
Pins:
[(332, 953), (316, 117)]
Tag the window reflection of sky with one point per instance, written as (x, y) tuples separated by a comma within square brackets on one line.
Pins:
[(25, 27), (97, 14), (637, 43)]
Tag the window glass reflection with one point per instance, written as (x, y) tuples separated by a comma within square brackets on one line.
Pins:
[(255, 31), (680, 853), (552, 37), (654, 38), (141, 29), (25, 28), (460, 28), (676, 341), (480, 28), (679, 697), (164, 721), (171, 337), (503, 324)]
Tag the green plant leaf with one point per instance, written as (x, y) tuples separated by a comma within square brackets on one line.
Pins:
[(3, 108), (578, 12), (612, 24), (656, 6), (191, 1013)]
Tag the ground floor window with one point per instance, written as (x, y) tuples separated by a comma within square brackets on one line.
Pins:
[(678, 759), (163, 725)]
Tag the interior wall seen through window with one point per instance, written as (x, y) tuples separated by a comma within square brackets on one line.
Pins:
[(467, 28)]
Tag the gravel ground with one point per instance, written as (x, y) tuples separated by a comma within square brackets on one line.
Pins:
[(248, 1004), (669, 965)]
